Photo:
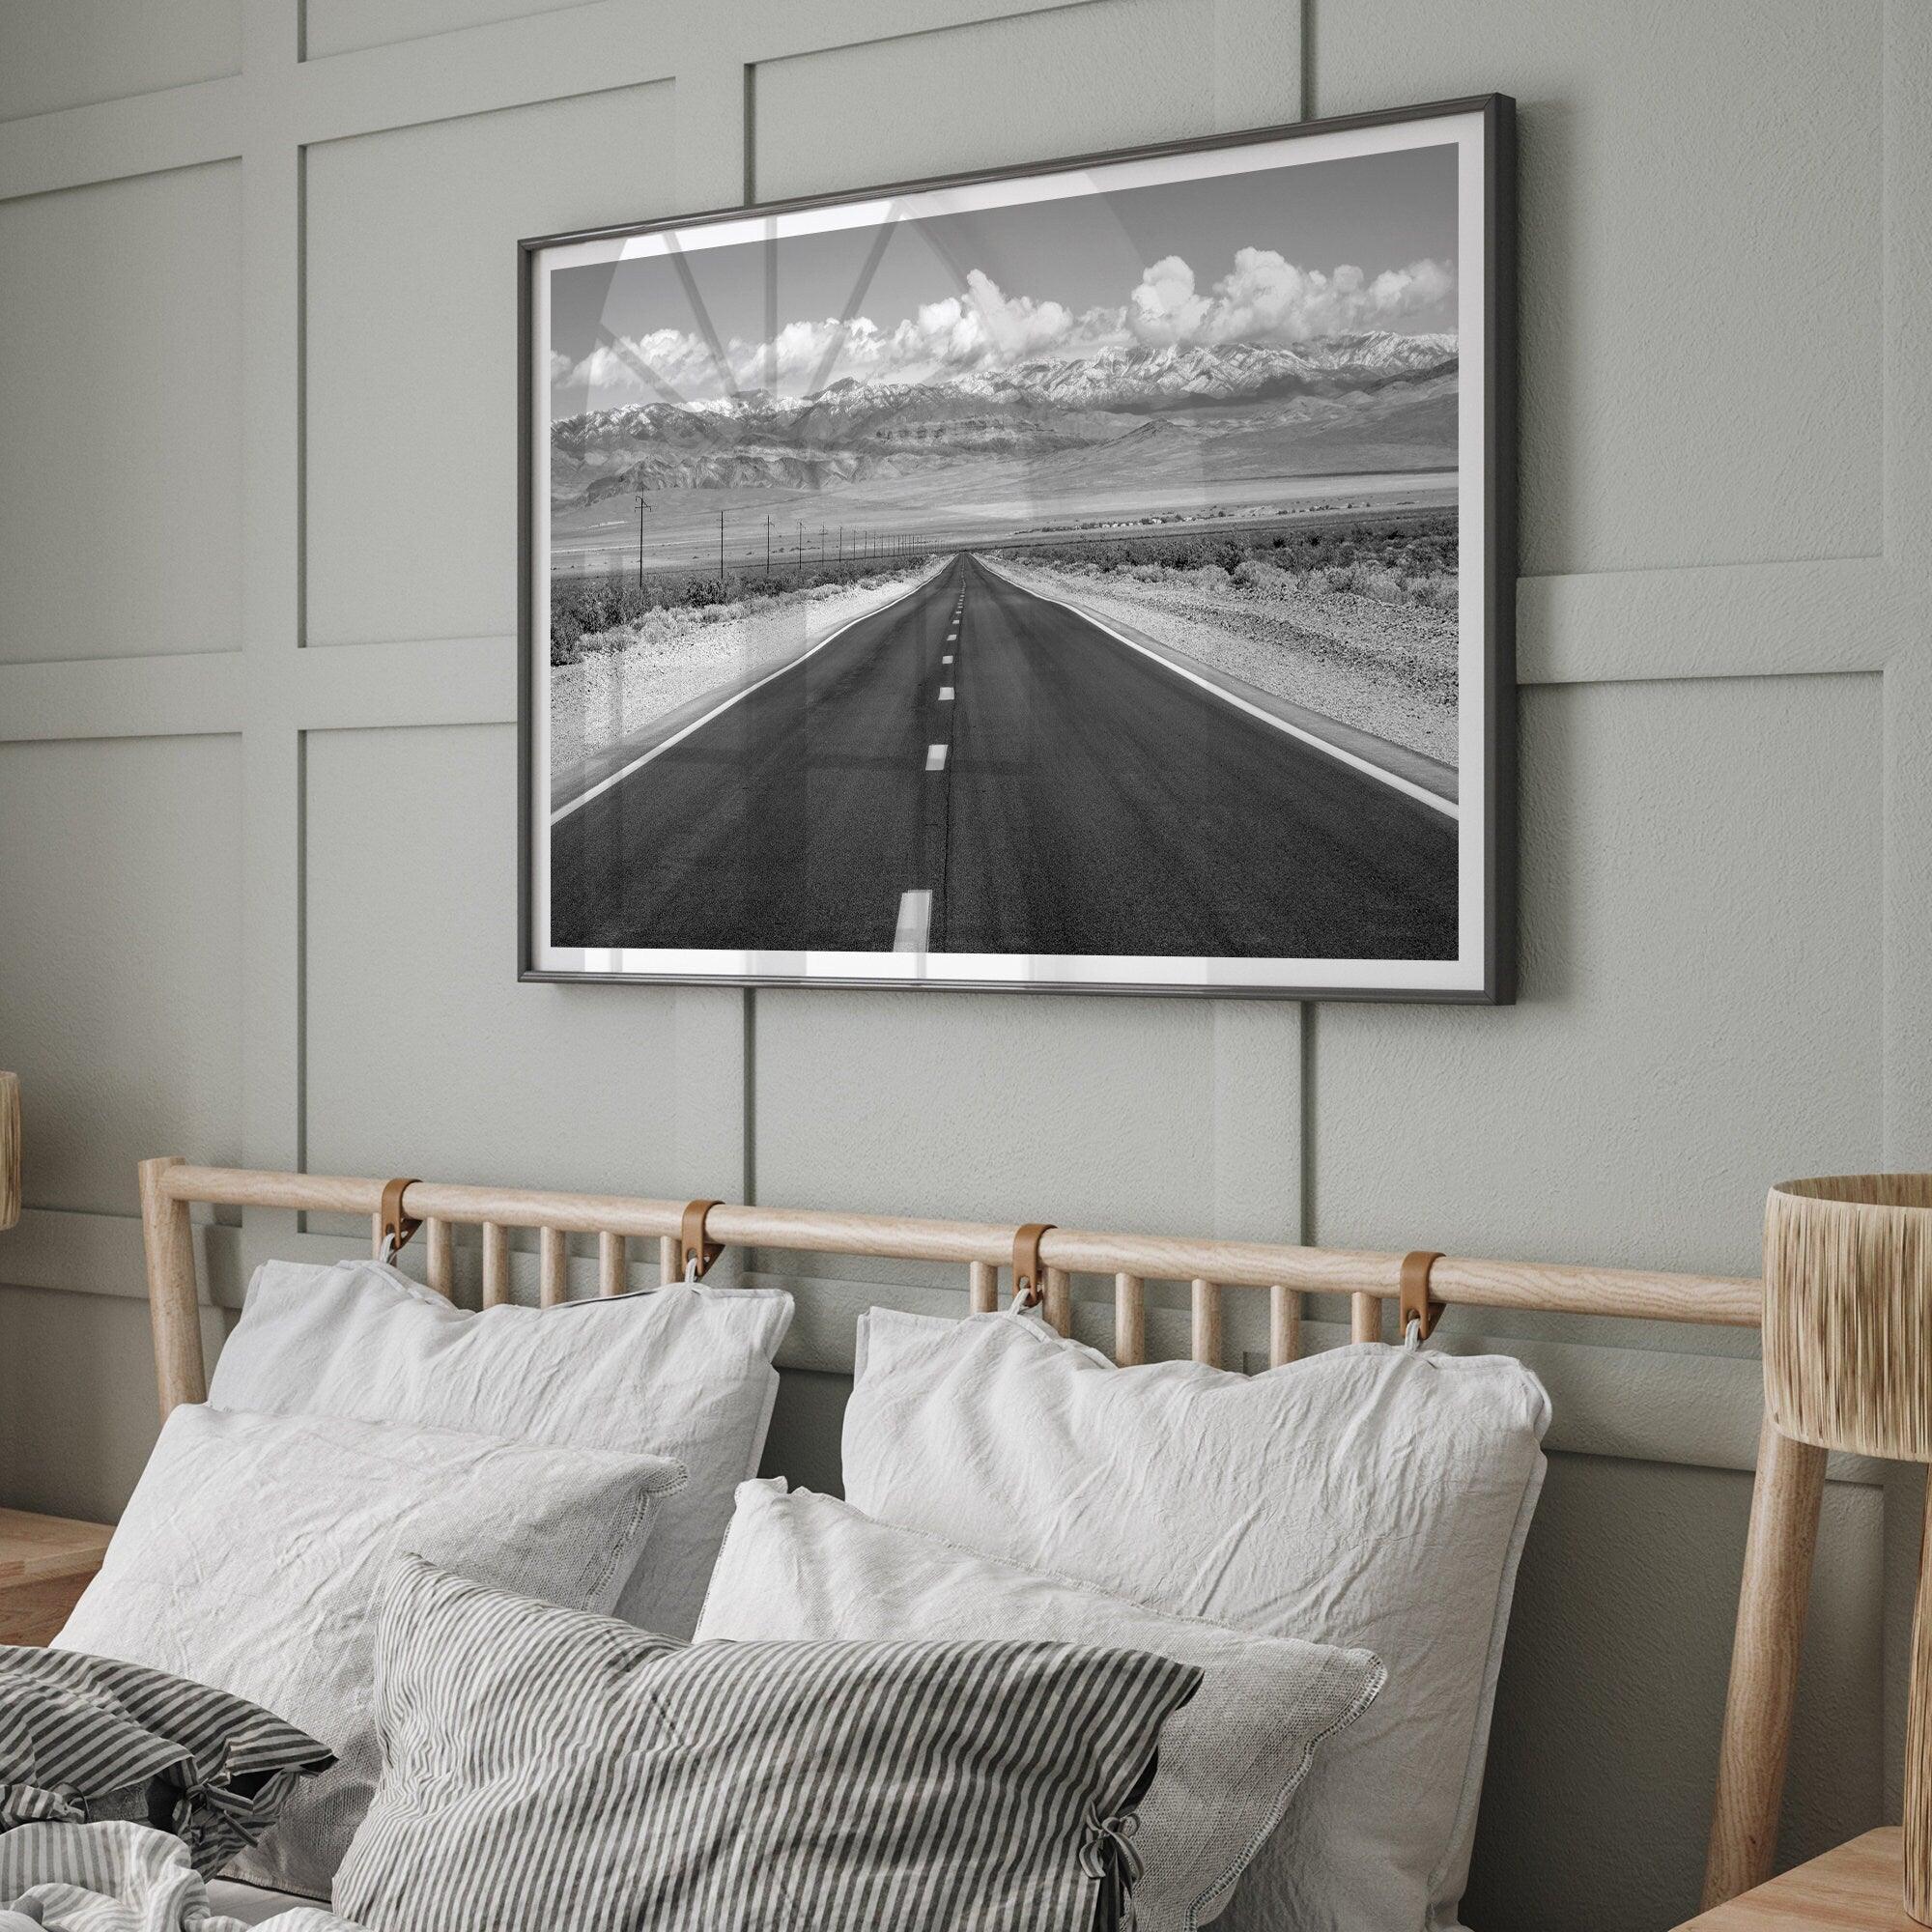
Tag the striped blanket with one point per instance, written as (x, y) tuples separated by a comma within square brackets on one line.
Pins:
[(118, 1877)]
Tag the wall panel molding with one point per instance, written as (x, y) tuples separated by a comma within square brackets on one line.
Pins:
[(173, 696), (1725, 620), (445, 681), (144, 135)]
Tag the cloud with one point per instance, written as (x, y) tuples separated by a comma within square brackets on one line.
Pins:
[(623, 370), (1016, 327), (1165, 308), (980, 326), (1265, 297)]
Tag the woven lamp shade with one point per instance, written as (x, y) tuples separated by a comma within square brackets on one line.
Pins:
[(1848, 1313), (10, 1149)]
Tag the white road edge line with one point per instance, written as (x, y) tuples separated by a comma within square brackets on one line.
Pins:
[(1446, 807), (914, 919), (737, 698), (935, 757)]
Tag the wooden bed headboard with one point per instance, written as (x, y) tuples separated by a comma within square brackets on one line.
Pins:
[(1786, 1496)]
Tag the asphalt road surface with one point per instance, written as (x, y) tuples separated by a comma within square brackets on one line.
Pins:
[(975, 769)]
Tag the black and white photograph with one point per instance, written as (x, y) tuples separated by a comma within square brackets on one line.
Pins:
[(1074, 578)]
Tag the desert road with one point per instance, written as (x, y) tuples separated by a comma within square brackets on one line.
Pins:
[(976, 769)]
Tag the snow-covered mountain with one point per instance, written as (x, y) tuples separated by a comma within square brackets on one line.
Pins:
[(853, 430), (1140, 378)]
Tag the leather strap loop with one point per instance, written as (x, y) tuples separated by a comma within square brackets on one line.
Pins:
[(1417, 1303), (695, 1248), (1028, 1277), (396, 1225)]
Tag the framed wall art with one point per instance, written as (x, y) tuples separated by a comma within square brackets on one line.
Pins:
[(1095, 576)]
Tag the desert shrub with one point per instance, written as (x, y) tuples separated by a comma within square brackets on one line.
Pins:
[(593, 613), (1382, 584), (1257, 573), (1317, 556)]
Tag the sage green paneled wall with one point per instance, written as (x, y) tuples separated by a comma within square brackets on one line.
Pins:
[(257, 818)]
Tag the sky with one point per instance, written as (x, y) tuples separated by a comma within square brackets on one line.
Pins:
[(1276, 255)]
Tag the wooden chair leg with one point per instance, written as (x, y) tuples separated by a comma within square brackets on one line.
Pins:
[(1783, 1538)]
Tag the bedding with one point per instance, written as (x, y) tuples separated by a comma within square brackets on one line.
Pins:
[(123, 1877), (807, 1567), (251, 1553), (546, 1769), (1375, 1497), (684, 1372), (252, 1904), (91, 1738)]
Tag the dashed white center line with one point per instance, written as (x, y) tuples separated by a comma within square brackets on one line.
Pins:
[(935, 757), (914, 918), (947, 659), (946, 694)]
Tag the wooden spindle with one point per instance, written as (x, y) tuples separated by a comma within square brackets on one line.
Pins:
[(669, 1270), (376, 1236), (612, 1278), (1208, 1322), (983, 1287), (1060, 1300), (1365, 1318), (1130, 1321), (495, 1265), (552, 1266), (441, 1239), (1284, 1325)]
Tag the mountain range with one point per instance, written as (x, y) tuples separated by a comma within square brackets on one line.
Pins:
[(854, 431)]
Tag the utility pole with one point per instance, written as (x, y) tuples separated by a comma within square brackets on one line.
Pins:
[(768, 546), (798, 573), (641, 539), (721, 550)]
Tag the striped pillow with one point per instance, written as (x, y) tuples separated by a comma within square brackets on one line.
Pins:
[(547, 1767), (85, 1738)]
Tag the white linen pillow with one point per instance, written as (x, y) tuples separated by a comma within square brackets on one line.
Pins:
[(252, 1552), (806, 1567), (684, 1372), (1377, 1496)]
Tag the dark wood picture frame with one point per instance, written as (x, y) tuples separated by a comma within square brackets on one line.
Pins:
[(1497, 543)]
